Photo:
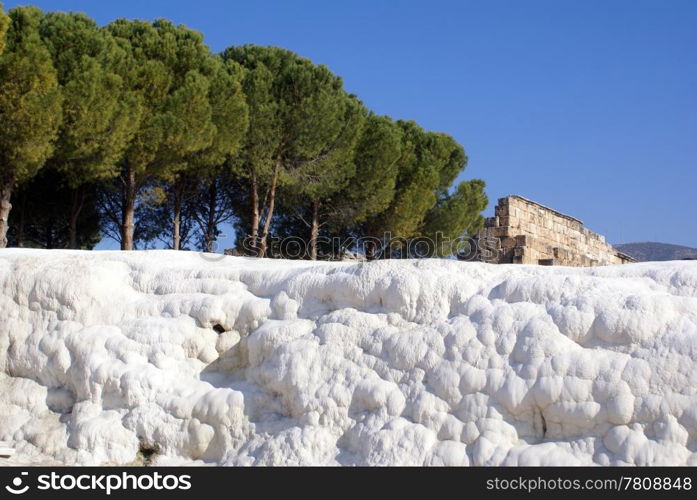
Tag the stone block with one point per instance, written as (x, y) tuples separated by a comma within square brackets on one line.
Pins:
[(499, 231), (508, 242), (527, 232), (501, 210)]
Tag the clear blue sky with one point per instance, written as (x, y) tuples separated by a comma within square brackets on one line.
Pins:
[(589, 106)]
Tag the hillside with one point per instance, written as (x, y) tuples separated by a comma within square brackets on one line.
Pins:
[(107, 356), (651, 251)]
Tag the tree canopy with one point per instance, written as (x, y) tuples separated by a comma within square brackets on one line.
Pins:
[(168, 68), (136, 131), (4, 23), (30, 106)]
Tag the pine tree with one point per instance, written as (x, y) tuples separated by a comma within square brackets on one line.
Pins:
[(372, 189), (256, 164), (201, 180), (328, 169), (429, 163), (40, 217), (4, 23), (301, 111), (168, 68), (456, 216), (30, 101), (99, 115)]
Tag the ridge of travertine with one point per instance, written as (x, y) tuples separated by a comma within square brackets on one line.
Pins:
[(242, 361)]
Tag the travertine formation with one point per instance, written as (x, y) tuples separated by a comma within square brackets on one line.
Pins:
[(175, 358), (525, 232)]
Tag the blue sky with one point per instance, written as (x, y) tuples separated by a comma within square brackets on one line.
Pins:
[(588, 106)]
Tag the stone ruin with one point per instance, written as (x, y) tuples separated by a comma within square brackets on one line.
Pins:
[(525, 232)]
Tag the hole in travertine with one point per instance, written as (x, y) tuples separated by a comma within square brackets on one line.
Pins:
[(539, 423), (147, 452), (544, 425), (218, 329)]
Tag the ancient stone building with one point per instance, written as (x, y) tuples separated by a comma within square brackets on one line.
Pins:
[(525, 232)]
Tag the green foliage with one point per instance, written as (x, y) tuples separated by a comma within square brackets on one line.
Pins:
[(4, 23), (331, 164), (429, 163), (264, 133), (229, 115), (228, 118), (303, 128), (167, 67), (30, 99), (99, 115), (168, 134), (297, 109), (372, 188), (457, 215)]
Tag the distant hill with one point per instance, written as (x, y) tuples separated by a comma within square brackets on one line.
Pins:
[(657, 251)]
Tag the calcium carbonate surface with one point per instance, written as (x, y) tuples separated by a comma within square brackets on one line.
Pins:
[(241, 361)]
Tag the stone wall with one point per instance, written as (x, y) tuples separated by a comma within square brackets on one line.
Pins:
[(525, 232)]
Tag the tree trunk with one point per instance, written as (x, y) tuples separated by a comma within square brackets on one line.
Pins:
[(269, 213), (370, 250), (255, 212), (75, 209), (211, 226), (5, 207), (128, 209), (178, 192), (314, 230)]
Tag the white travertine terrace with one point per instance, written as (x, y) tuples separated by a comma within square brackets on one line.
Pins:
[(247, 361)]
